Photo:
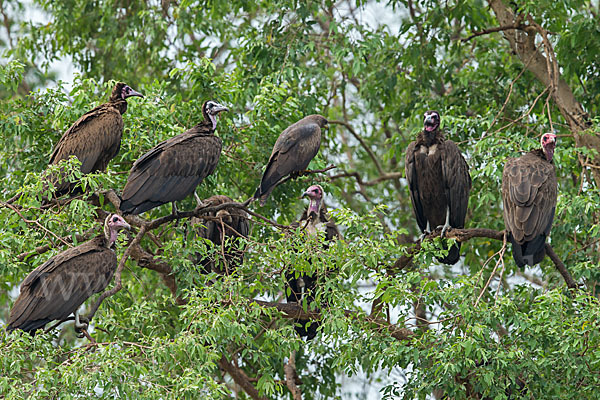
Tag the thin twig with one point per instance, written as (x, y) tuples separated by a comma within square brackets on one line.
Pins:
[(495, 29)]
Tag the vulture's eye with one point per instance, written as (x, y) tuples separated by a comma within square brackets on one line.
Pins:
[(115, 219)]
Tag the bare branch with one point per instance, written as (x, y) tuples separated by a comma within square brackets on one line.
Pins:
[(291, 376), (495, 29), (118, 284), (463, 235), (362, 143)]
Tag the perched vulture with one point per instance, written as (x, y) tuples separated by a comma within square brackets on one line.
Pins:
[(94, 138), (293, 151), (439, 182), (529, 190), (303, 287), (57, 288), (224, 228), (171, 170)]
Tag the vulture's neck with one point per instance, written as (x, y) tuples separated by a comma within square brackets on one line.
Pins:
[(541, 153), (119, 104), (110, 237), (314, 207), (204, 128), (428, 138)]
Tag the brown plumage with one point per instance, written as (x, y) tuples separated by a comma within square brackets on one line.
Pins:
[(224, 229), (302, 287), (297, 145), (57, 288), (94, 138), (529, 191), (439, 182), (172, 169)]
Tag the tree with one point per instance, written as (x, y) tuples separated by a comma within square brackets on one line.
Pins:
[(500, 74)]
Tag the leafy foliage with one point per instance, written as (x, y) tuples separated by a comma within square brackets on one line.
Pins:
[(372, 69)]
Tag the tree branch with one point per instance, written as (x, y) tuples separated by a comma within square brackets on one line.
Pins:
[(118, 283), (295, 311), (291, 376), (463, 235), (240, 377), (492, 30)]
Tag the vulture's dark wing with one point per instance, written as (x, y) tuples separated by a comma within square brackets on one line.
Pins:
[(57, 288), (457, 182), (94, 139), (170, 171), (411, 177), (529, 190), (293, 151)]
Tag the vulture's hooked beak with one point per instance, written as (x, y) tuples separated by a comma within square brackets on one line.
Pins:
[(305, 194), (125, 225), (219, 108), (134, 93)]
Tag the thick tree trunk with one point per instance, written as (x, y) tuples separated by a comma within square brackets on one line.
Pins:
[(545, 68)]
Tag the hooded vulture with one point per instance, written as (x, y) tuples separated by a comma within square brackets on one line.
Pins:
[(293, 151), (529, 190), (439, 182), (57, 288), (302, 287), (171, 170), (223, 228), (94, 138)]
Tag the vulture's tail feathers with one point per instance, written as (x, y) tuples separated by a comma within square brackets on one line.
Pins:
[(303, 330), (528, 253), (453, 255)]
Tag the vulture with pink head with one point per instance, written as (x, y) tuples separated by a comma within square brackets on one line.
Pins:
[(302, 287), (439, 182), (529, 191), (57, 288)]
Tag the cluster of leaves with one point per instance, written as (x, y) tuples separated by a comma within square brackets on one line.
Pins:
[(272, 63)]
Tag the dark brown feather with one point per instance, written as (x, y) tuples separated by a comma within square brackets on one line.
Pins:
[(224, 229), (438, 179), (95, 139), (297, 145), (529, 192), (171, 170), (57, 288)]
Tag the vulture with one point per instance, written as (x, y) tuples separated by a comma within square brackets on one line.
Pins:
[(302, 287), (439, 182), (94, 138), (171, 170), (297, 145), (57, 288), (224, 228), (529, 190)]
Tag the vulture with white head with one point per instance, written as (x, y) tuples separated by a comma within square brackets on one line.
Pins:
[(529, 191), (439, 182), (224, 228), (171, 170), (294, 149), (302, 288), (94, 139), (57, 288)]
